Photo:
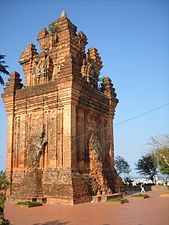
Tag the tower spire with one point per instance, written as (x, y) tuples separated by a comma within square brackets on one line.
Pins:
[(63, 14)]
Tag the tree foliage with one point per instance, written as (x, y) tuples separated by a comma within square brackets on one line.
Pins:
[(147, 165), (164, 168), (3, 68), (3, 187), (159, 147), (4, 184), (53, 28), (122, 166)]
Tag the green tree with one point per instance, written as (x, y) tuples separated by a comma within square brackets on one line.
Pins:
[(147, 165), (4, 184), (159, 147), (121, 166), (53, 28), (164, 168), (3, 69)]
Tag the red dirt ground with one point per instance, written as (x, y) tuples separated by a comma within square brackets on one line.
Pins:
[(151, 211)]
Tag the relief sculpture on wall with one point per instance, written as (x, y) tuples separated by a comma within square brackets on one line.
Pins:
[(96, 163), (36, 147), (41, 69), (32, 180)]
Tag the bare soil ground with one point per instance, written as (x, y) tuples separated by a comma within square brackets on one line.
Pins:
[(151, 211)]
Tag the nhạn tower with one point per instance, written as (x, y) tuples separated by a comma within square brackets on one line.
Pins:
[(60, 123)]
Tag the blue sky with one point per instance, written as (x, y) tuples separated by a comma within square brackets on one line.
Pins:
[(132, 38)]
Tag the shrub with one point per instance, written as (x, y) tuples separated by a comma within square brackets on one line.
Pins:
[(53, 28), (5, 222), (29, 204), (140, 196), (118, 200)]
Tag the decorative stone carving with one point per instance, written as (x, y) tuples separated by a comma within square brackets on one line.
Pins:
[(31, 185), (97, 165), (107, 87), (91, 67), (36, 147), (14, 82), (41, 147), (88, 71), (42, 34), (95, 152), (82, 41), (42, 70), (28, 54)]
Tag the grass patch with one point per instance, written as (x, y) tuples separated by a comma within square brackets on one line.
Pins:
[(140, 196), (2, 201), (29, 204), (117, 200)]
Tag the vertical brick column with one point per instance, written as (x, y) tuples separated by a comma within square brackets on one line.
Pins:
[(8, 96)]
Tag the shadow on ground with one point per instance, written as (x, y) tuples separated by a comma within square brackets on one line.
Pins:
[(54, 222)]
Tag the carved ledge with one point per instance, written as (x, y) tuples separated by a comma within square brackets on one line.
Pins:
[(107, 88)]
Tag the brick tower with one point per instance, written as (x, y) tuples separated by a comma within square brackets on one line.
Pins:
[(60, 123)]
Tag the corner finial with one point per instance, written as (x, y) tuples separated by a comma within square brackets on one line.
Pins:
[(63, 14)]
